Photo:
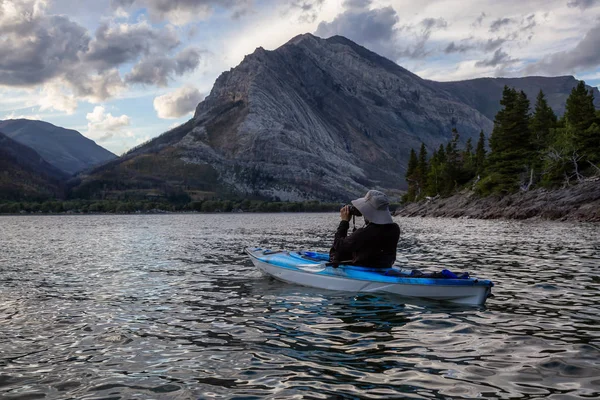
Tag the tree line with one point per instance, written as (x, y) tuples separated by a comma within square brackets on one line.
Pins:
[(526, 149), (129, 207)]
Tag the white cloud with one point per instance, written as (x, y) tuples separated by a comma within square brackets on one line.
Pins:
[(103, 125), (178, 103), (54, 97)]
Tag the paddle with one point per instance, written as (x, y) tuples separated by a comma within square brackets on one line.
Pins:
[(315, 268)]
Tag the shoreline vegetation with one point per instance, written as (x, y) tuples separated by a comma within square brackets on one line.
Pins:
[(534, 166), (150, 207)]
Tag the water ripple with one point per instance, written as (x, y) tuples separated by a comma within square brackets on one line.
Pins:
[(169, 307)]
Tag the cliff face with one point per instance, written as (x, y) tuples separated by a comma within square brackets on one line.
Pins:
[(315, 119)]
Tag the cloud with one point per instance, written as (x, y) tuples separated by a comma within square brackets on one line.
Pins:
[(499, 58), (54, 97), (158, 70), (479, 20), (372, 28), (34, 47), (309, 9), (427, 26), (122, 43), (182, 12), (584, 57), (582, 4), (460, 48), (178, 103), (499, 23), (103, 125), (493, 44), (60, 55)]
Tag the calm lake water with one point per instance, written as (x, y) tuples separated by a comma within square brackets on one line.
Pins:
[(169, 307)]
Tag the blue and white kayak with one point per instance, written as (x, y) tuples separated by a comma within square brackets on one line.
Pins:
[(312, 269)]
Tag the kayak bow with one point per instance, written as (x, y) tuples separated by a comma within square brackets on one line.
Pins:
[(313, 269)]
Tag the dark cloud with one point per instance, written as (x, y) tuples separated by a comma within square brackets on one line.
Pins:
[(582, 4), (499, 58), (38, 48), (116, 45), (423, 33), (181, 12), (493, 44), (479, 20), (158, 70), (459, 48), (499, 23), (373, 28), (468, 45), (585, 56), (528, 23), (309, 9)]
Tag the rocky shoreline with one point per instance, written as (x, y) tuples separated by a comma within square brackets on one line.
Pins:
[(579, 202)]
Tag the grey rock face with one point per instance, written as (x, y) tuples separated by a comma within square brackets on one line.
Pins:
[(323, 119), (66, 149)]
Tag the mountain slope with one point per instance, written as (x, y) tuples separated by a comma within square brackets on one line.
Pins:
[(483, 93), (66, 149), (313, 119), (25, 175)]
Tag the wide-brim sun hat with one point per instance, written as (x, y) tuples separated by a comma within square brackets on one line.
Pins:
[(374, 207)]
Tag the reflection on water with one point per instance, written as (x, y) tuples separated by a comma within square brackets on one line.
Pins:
[(169, 307)]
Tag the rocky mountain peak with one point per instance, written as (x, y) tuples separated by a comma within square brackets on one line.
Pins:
[(323, 119)]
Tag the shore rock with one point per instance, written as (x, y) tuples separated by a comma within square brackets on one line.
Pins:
[(574, 203)]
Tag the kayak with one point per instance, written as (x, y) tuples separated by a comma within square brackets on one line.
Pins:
[(313, 269)]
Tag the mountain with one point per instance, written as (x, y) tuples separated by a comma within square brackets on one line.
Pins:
[(25, 175), (66, 149), (316, 118), (484, 93)]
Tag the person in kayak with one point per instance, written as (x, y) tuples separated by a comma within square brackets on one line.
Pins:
[(373, 245)]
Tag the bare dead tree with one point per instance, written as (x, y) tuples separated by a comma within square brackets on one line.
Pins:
[(595, 166)]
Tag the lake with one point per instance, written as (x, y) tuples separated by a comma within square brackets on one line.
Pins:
[(170, 307)]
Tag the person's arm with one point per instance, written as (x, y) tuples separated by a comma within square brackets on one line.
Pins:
[(342, 243)]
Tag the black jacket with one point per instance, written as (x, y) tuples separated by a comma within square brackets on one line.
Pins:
[(371, 246)]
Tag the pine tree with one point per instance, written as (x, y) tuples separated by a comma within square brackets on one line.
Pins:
[(510, 143), (542, 121), (580, 112), (467, 164), (480, 154), (422, 171), (411, 172), (580, 115)]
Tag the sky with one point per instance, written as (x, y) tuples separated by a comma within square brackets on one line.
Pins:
[(124, 71)]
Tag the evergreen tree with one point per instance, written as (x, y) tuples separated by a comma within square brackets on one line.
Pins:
[(468, 168), (422, 171), (580, 112), (480, 154), (510, 143), (580, 115), (411, 172), (542, 121)]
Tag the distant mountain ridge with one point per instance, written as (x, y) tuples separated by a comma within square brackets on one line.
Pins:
[(316, 118), (24, 174), (484, 93), (66, 149)]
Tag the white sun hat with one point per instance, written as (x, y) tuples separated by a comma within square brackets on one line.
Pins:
[(375, 207)]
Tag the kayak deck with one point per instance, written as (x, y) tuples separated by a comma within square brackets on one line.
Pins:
[(311, 269)]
